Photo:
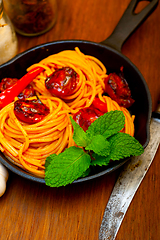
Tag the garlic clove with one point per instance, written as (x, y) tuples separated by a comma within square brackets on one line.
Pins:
[(4, 172), (3, 179), (2, 185)]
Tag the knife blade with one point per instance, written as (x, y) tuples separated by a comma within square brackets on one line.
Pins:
[(127, 184)]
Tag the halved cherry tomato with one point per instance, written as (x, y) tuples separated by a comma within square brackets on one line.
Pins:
[(97, 103), (30, 111), (6, 83), (27, 92), (117, 88), (9, 82), (62, 82), (84, 117)]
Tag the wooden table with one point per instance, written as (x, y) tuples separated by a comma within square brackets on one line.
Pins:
[(32, 211)]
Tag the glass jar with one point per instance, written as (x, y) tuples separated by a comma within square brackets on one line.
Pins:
[(8, 39), (31, 17)]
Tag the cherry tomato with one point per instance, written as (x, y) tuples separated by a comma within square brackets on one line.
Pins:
[(97, 103), (84, 117), (9, 82), (6, 83), (27, 92), (62, 82), (117, 88), (30, 111)]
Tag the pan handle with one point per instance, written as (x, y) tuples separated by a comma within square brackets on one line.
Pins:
[(129, 23)]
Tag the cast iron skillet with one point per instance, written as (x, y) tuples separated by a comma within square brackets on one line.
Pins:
[(109, 52)]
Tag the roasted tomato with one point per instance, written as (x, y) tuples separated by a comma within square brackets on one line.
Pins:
[(30, 111), (62, 82), (8, 82), (117, 88), (27, 92), (101, 106), (84, 117)]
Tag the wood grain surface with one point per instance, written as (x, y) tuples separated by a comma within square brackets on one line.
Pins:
[(32, 211)]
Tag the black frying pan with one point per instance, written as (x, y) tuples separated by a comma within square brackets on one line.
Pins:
[(109, 52)]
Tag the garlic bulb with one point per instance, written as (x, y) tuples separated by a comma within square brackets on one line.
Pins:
[(3, 179)]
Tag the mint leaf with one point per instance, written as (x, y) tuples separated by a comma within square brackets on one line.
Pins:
[(66, 167), (99, 145), (99, 160), (79, 136), (123, 145), (49, 159), (107, 124), (86, 173)]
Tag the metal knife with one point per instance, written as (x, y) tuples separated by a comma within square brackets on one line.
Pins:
[(128, 182)]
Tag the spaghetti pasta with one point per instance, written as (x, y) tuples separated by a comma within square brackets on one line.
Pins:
[(90, 70), (129, 120), (28, 145)]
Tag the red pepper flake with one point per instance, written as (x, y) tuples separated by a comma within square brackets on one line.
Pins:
[(31, 16)]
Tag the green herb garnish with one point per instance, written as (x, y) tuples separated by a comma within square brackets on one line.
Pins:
[(101, 143)]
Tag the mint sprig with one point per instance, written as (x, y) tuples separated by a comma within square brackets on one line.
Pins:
[(101, 143)]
